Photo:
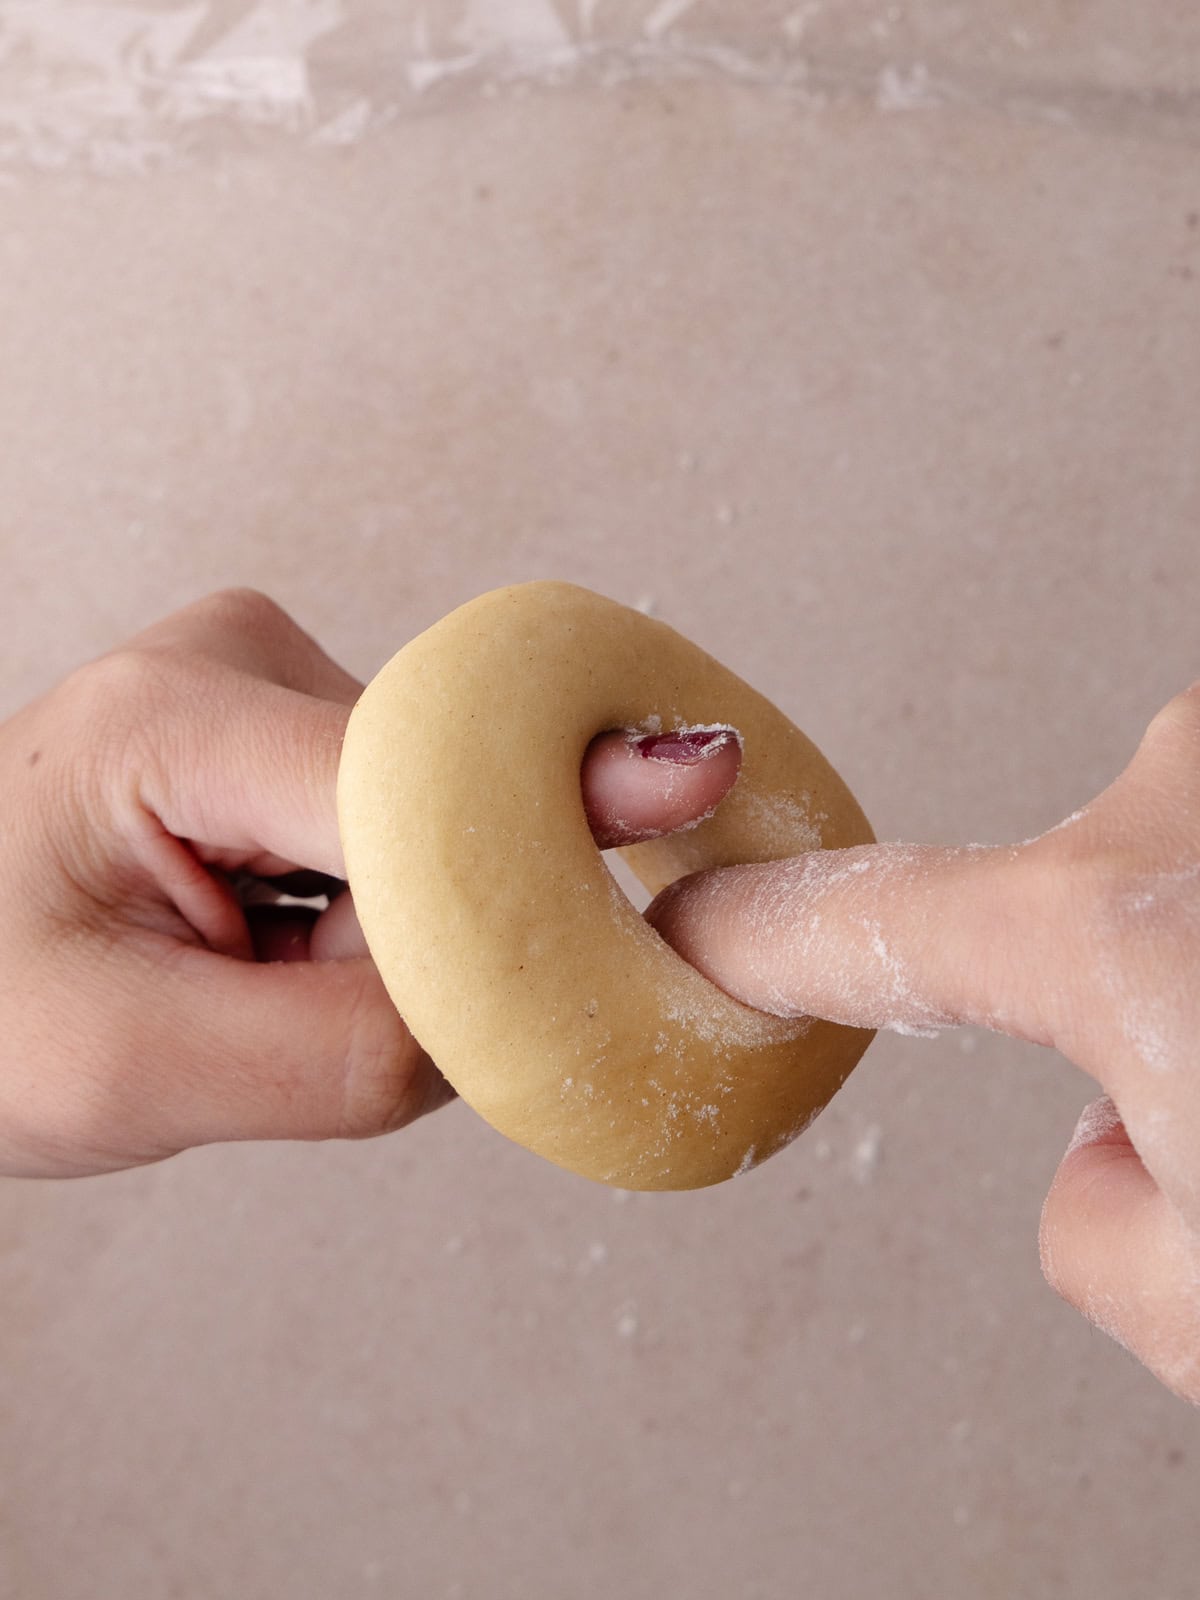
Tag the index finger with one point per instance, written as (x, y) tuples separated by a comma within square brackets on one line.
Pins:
[(250, 768), (908, 937)]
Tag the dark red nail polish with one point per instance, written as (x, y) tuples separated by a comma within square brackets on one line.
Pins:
[(682, 749)]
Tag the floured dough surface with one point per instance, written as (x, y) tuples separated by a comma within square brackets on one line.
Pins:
[(548, 1002)]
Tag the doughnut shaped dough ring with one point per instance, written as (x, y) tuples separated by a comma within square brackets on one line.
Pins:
[(553, 1008)]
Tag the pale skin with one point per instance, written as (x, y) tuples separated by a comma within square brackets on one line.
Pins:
[(151, 1003)]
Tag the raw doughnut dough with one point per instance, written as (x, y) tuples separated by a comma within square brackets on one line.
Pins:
[(547, 1001)]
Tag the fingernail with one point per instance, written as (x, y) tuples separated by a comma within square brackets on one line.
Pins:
[(682, 749)]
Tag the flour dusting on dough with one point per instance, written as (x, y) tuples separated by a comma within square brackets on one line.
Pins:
[(783, 823)]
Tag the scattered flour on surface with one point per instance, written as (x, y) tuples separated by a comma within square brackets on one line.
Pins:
[(864, 1158), (898, 90), (664, 16), (595, 1256), (627, 1321)]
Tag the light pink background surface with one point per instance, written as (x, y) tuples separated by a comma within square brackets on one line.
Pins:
[(891, 399)]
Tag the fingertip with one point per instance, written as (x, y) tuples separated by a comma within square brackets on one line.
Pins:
[(1113, 1247), (1100, 1181), (639, 786), (682, 914)]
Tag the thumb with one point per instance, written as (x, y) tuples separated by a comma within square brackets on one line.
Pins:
[(1116, 1249), (640, 786), (282, 1050), (908, 937)]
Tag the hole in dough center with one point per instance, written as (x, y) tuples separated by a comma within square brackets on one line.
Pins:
[(626, 880)]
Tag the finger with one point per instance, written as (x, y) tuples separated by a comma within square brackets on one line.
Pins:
[(1114, 1248), (248, 766), (292, 1050), (247, 631), (262, 796), (638, 786), (906, 937)]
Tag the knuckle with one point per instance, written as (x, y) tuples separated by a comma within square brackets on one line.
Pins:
[(109, 719), (113, 683), (244, 610), (110, 706)]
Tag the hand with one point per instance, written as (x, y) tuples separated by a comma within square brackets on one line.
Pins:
[(1086, 939), (147, 1001)]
